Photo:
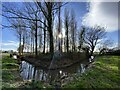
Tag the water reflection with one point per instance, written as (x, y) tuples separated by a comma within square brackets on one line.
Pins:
[(30, 72)]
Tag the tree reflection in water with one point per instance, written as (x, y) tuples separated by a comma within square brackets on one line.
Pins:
[(30, 72)]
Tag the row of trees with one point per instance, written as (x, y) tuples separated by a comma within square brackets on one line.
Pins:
[(42, 28)]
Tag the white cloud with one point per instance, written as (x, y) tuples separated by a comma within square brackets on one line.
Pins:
[(12, 41), (103, 0), (9, 45), (57, 0), (103, 14)]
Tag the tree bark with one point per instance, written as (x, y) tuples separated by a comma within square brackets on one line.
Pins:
[(67, 41), (36, 53), (19, 45), (44, 41), (50, 26)]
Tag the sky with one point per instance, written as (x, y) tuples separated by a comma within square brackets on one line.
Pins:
[(95, 13)]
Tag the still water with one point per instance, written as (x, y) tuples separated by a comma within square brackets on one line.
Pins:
[(30, 72)]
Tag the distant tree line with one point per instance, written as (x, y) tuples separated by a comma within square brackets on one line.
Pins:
[(107, 51)]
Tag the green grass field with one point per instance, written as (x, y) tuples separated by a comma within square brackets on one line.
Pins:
[(103, 74)]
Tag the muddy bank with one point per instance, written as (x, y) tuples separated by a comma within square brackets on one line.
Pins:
[(55, 62)]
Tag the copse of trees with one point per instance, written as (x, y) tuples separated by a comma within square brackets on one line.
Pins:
[(31, 13), (34, 24)]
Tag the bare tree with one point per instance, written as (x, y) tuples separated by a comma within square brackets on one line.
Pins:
[(44, 38), (104, 46), (31, 12), (73, 27), (49, 9), (93, 36), (81, 38), (67, 25), (17, 24), (59, 25)]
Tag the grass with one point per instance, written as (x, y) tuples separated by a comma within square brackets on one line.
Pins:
[(9, 63), (11, 78), (103, 74), (10, 72)]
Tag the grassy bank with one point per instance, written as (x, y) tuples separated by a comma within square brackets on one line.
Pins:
[(10, 73), (103, 74), (11, 77)]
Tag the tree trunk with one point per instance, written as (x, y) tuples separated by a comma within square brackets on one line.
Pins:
[(19, 45), (36, 39), (23, 44), (50, 27), (67, 41), (51, 43), (91, 53), (44, 39), (40, 41), (33, 44), (47, 36), (59, 30)]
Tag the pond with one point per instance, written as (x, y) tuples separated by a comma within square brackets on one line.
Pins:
[(30, 72)]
